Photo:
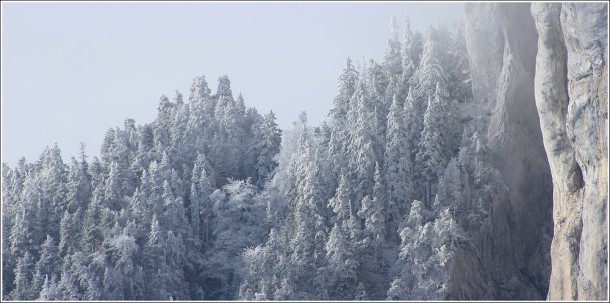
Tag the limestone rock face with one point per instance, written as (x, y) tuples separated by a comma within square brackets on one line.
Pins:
[(540, 84), (571, 96)]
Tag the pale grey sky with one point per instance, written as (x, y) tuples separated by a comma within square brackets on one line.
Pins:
[(72, 70)]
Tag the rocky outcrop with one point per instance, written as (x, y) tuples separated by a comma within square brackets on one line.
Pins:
[(539, 79), (501, 41), (571, 97)]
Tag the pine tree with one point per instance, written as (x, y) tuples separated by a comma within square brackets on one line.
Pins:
[(158, 175), (23, 278), (449, 188), (414, 252), (372, 212), (92, 230), (430, 72), (154, 262), (459, 77), (138, 215), (414, 44), (233, 122), (431, 68), (52, 200), (113, 191), (339, 121), (27, 230), (435, 147), (251, 125), (225, 153), (69, 233), (361, 294), (398, 290), (176, 259), (283, 179), (123, 154), (201, 125), (113, 287), (267, 146), (75, 277), (240, 108), (342, 264), (233, 203), (410, 59), (79, 185), (263, 264), (361, 152), (47, 265), (302, 244), (181, 148), (347, 86), (309, 240), (119, 278), (107, 145), (290, 164), (379, 91), (341, 203), (201, 207), (9, 201), (285, 292), (392, 63), (49, 290), (49, 257), (413, 123), (392, 58), (165, 111), (200, 94), (398, 172)]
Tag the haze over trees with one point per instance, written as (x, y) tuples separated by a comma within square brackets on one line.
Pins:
[(213, 201)]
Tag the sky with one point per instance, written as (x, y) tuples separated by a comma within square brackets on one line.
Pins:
[(71, 70)]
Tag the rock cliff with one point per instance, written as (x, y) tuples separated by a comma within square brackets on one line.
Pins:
[(571, 87), (502, 51), (539, 80)]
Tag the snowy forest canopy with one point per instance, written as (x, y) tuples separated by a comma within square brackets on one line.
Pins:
[(213, 201)]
